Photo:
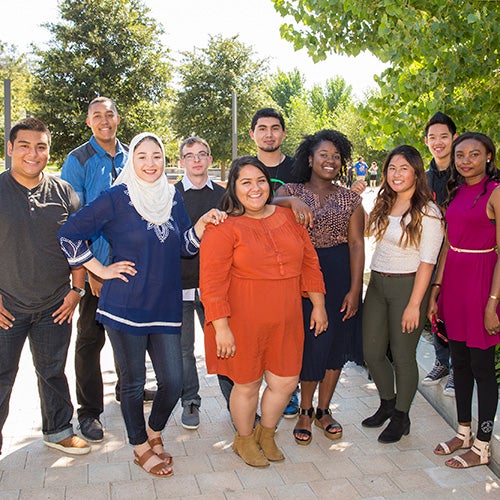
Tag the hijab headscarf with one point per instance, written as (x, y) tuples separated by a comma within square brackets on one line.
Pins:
[(152, 200)]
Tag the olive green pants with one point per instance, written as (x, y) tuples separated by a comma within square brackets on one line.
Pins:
[(385, 302)]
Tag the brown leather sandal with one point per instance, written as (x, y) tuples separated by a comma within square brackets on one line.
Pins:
[(156, 470), (165, 456)]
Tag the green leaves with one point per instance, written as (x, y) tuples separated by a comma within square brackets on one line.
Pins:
[(100, 47), (442, 58), (208, 76)]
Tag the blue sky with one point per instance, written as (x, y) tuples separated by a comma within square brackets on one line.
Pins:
[(188, 24)]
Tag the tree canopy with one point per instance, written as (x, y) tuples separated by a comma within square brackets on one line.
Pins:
[(208, 77), (100, 47), (443, 56)]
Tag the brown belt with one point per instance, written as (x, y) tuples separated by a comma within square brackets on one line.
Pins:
[(394, 275)]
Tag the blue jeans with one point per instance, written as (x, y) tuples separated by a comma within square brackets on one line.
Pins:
[(190, 381), (49, 344), (130, 354), (442, 352)]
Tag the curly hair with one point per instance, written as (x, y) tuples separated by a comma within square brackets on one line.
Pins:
[(301, 168), (456, 179), (411, 220), (229, 201)]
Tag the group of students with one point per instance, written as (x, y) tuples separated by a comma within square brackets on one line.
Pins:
[(282, 289)]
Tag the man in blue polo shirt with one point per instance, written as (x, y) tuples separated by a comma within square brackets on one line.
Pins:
[(90, 169)]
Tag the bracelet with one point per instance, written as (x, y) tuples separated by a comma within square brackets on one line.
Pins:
[(436, 284), (494, 297)]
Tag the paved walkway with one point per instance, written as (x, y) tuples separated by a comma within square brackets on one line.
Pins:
[(357, 466)]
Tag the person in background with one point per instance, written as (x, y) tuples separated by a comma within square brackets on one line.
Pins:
[(337, 235), (407, 228), (466, 293), (200, 194), (373, 171), (140, 305), (361, 169), (253, 270), (440, 132), (37, 300)]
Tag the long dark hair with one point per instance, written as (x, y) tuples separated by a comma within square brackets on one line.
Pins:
[(302, 170), (229, 201), (492, 172), (411, 226)]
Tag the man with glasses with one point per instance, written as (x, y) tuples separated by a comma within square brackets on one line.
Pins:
[(200, 194)]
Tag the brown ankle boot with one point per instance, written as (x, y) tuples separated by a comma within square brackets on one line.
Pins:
[(248, 450), (265, 439)]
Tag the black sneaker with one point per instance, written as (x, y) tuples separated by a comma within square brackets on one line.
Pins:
[(436, 374), (91, 429), (149, 395)]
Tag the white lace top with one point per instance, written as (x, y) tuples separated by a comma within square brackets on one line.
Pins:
[(390, 257)]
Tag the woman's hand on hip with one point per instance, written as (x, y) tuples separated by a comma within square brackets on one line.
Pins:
[(119, 270)]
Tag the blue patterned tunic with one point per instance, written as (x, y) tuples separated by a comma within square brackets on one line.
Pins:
[(151, 301)]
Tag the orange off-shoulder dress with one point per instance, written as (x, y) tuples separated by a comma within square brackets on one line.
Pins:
[(255, 272)]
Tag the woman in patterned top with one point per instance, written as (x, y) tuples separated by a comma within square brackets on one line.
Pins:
[(337, 235)]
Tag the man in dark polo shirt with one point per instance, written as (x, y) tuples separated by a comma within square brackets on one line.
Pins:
[(37, 300)]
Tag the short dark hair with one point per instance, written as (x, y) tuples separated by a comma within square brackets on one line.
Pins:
[(443, 120), (229, 201), (267, 113), (104, 100), (301, 169), (28, 124)]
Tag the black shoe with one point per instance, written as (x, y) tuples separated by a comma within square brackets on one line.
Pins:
[(385, 411), (149, 395), (398, 427), (91, 429)]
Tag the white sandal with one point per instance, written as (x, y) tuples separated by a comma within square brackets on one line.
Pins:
[(480, 448), (464, 433)]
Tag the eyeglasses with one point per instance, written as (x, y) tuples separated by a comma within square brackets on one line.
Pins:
[(199, 156)]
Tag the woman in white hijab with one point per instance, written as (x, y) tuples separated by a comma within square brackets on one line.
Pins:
[(144, 219)]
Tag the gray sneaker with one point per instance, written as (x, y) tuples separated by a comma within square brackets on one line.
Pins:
[(449, 388), (190, 416), (436, 374), (91, 429)]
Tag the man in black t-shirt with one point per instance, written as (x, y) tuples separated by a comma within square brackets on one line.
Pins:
[(268, 132)]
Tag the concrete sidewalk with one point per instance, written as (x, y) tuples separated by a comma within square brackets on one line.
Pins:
[(357, 466)]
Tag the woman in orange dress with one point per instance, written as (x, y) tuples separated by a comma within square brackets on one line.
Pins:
[(254, 269)]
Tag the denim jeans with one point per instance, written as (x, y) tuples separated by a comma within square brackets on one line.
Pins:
[(442, 352), (130, 354), (190, 381), (49, 344)]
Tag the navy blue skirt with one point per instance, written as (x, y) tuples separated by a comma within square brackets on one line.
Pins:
[(342, 341)]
